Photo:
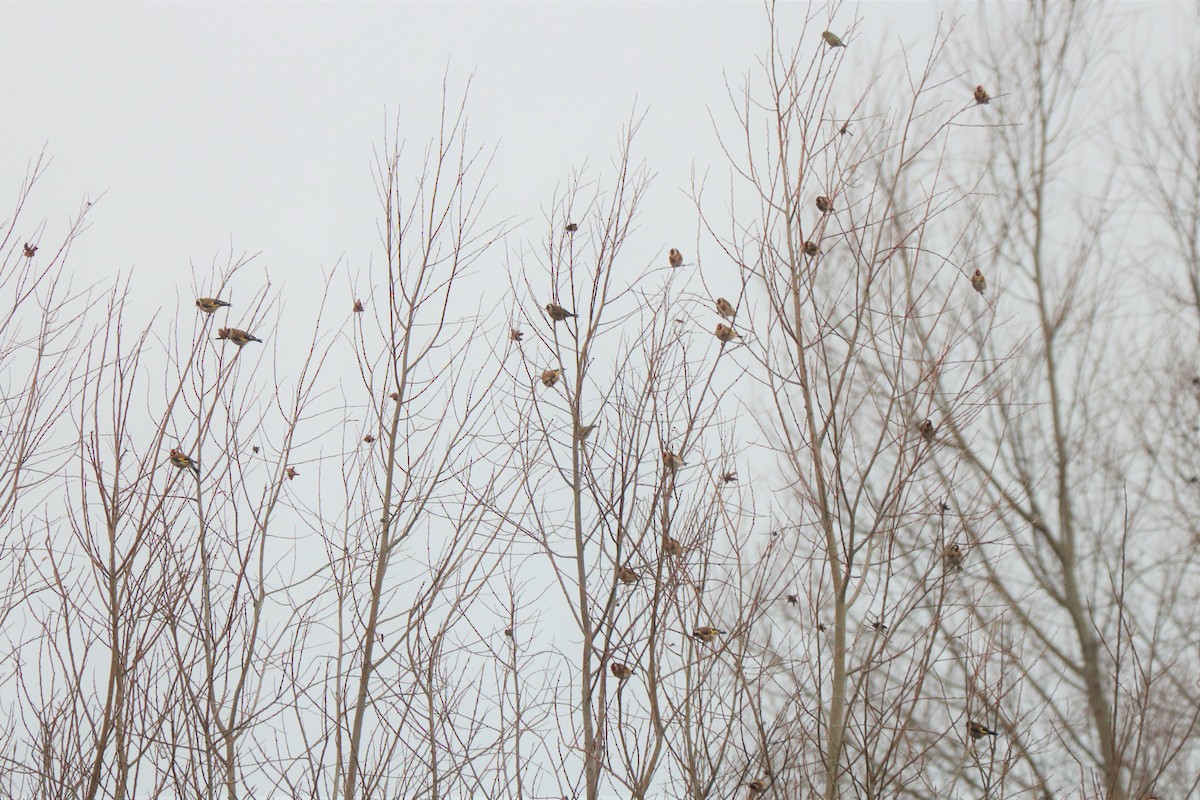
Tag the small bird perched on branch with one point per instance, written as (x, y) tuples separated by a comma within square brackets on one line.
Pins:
[(359, 307), (550, 377), (978, 730), (515, 334), (824, 204), (210, 304), (584, 431), (832, 39), (291, 472), (812, 249), (707, 633), (572, 227), (981, 96), (620, 671), (626, 575), (928, 429), (725, 333), (672, 547), (671, 461), (978, 282), (756, 786), (729, 476), (952, 557), (181, 461), (557, 312), (30, 250), (675, 258), (238, 336), (725, 308)]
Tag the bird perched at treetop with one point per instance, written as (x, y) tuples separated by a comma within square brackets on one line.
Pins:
[(626, 575), (672, 547), (707, 633), (928, 430), (557, 312), (832, 39), (584, 431), (210, 304), (291, 472), (359, 307), (756, 786), (978, 730), (620, 671), (30, 250), (978, 282), (725, 308), (952, 557), (729, 476), (725, 333), (981, 96), (811, 249), (181, 461), (238, 336), (824, 204), (671, 461), (550, 377), (515, 334), (674, 258), (572, 227)]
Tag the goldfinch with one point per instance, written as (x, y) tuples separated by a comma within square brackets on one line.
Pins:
[(358, 307), (729, 477), (557, 312), (672, 547), (515, 334), (978, 730), (832, 39), (707, 633), (811, 249), (572, 227), (620, 671), (674, 258), (369, 439), (756, 786), (824, 204), (725, 333), (978, 282), (928, 429), (952, 557), (626, 575), (981, 96), (671, 461), (725, 308), (291, 472), (181, 461), (210, 304), (238, 336), (30, 250), (584, 431), (550, 377)]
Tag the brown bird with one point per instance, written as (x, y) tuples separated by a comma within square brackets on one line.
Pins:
[(981, 96), (238, 336), (181, 461), (369, 439), (729, 477), (725, 308), (584, 431), (291, 472), (824, 204), (255, 449), (756, 786), (842, 131), (707, 633), (672, 547), (811, 249), (557, 312), (952, 557), (927, 429), (620, 671), (358, 307), (210, 304), (30, 250), (550, 377), (978, 730), (674, 258), (832, 39), (793, 600), (515, 334), (395, 396), (671, 461), (626, 575), (725, 333), (572, 227), (978, 282)]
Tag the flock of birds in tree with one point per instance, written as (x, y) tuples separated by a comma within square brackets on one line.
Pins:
[(952, 554)]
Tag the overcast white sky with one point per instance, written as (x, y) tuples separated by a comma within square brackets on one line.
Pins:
[(254, 124)]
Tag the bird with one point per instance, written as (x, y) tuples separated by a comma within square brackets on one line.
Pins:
[(550, 377), (981, 96), (30, 250), (238, 336), (729, 476), (832, 39), (793, 600), (395, 396), (557, 312), (842, 131), (928, 429), (584, 431), (674, 258), (671, 461), (725, 333), (707, 633), (291, 472), (756, 786), (369, 439), (824, 204), (210, 304), (572, 227), (978, 730), (620, 671), (358, 307), (725, 308), (515, 334), (255, 449), (672, 547), (627, 576), (811, 249), (952, 557), (181, 461), (978, 282)]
